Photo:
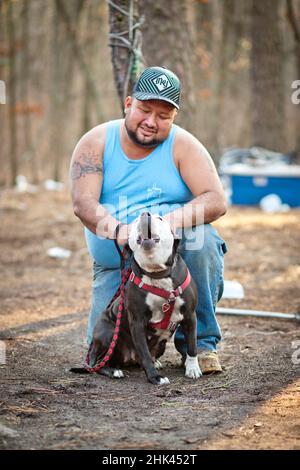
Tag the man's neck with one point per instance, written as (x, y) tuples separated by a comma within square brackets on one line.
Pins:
[(130, 148)]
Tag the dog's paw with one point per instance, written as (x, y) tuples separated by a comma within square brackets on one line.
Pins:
[(159, 380), (192, 369), (118, 374), (158, 365), (163, 381)]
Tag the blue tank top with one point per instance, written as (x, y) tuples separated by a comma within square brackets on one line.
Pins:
[(130, 187)]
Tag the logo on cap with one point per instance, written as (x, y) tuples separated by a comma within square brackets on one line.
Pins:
[(161, 82)]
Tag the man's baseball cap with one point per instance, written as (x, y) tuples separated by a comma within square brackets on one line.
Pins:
[(158, 83)]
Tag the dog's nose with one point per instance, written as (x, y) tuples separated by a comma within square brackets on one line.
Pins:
[(148, 244)]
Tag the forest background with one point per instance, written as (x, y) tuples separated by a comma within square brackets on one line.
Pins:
[(238, 61)]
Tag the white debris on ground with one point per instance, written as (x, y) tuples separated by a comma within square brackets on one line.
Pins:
[(233, 290), (58, 253), (52, 185), (22, 185), (272, 203)]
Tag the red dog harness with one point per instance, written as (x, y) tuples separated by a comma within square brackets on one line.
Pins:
[(170, 296)]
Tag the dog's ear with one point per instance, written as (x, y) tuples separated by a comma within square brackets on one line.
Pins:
[(127, 251), (174, 251), (176, 244)]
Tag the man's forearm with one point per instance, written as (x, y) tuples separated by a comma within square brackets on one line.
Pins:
[(203, 209), (95, 217)]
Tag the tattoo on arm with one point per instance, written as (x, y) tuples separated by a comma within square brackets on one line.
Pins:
[(87, 164)]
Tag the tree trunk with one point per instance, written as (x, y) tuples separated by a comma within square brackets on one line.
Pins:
[(125, 42), (57, 96), (65, 30), (12, 95), (293, 18), (4, 61), (87, 97), (293, 15), (167, 42), (204, 60), (221, 85), (268, 123), (29, 150), (203, 25), (79, 54)]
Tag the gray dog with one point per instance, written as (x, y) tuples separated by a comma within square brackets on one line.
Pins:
[(160, 295)]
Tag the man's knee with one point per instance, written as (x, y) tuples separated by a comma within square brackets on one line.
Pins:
[(202, 244)]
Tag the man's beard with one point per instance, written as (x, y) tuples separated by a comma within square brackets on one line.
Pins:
[(133, 136)]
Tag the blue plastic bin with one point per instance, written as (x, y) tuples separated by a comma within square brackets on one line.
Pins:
[(250, 184)]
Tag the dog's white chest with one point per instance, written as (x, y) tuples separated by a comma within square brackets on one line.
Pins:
[(155, 303)]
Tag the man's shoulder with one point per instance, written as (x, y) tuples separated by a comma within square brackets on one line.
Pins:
[(97, 134), (184, 137), (186, 144)]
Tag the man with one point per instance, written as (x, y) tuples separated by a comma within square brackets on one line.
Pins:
[(146, 163)]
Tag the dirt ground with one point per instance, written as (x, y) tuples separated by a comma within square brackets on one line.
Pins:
[(253, 404)]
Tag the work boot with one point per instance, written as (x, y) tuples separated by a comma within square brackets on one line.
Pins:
[(208, 361)]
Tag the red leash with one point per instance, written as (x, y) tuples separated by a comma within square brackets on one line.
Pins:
[(120, 292), (102, 362)]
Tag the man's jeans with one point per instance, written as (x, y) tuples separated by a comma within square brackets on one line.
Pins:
[(203, 250)]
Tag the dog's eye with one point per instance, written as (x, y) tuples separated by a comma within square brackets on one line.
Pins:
[(160, 218)]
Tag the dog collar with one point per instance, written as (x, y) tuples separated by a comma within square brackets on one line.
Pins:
[(170, 296), (153, 274)]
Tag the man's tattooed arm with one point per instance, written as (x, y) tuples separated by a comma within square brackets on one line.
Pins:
[(86, 164)]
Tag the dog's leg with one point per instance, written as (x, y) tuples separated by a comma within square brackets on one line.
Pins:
[(137, 330), (192, 369), (158, 353), (158, 365), (111, 372), (103, 334)]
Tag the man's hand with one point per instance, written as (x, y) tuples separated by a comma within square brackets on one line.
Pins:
[(123, 234), (173, 221)]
